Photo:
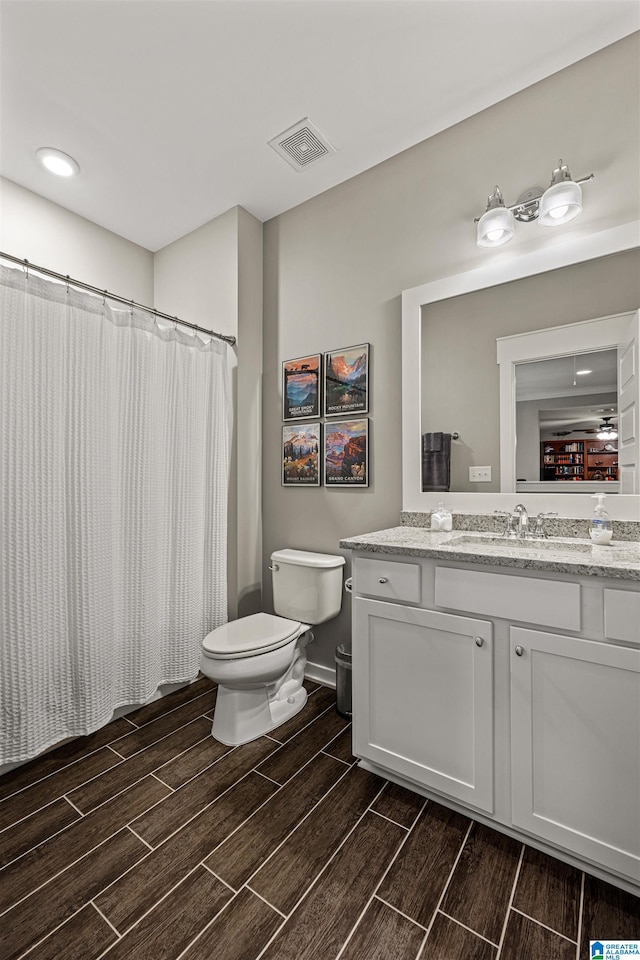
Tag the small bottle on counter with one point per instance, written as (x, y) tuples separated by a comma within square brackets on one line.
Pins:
[(600, 528), (441, 518)]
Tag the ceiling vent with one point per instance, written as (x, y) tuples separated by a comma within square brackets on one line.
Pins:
[(302, 145)]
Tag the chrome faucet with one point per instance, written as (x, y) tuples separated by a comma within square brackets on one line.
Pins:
[(521, 519)]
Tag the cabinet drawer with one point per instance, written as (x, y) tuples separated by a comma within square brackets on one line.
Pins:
[(388, 580), (622, 615), (549, 603)]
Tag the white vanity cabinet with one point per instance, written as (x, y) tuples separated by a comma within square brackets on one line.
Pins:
[(512, 694), (575, 745), (423, 691)]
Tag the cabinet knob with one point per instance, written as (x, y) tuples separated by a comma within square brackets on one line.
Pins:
[(479, 641), (519, 651), (382, 580)]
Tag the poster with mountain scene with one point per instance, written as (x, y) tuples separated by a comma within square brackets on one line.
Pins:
[(346, 380), (301, 455), (301, 388), (346, 453)]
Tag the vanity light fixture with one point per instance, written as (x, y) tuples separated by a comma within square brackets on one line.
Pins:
[(560, 203), (55, 161)]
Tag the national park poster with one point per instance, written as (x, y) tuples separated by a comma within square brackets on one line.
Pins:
[(346, 380), (346, 453), (301, 388), (301, 455)]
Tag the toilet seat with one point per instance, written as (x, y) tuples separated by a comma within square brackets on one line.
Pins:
[(250, 636)]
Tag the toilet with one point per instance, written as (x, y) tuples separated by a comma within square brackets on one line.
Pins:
[(258, 661)]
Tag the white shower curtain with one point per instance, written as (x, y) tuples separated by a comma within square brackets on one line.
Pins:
[(114, 445)]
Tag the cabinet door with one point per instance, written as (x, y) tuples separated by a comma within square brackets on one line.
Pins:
[(575, 747), (423, 697)]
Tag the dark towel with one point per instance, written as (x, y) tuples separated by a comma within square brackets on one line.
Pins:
[(436, 461)]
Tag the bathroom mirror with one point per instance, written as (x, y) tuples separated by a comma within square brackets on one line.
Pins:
[(475, 355)]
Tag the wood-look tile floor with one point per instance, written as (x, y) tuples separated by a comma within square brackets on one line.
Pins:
[(150, 840)]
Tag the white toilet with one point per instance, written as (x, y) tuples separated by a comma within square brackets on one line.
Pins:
[(258, 662)]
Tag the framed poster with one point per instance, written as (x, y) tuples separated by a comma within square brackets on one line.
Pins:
[(346, 380), (346, 453), (301, 387), (301, 455)]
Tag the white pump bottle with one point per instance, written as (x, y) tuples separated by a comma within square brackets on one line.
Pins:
[(600, 528)]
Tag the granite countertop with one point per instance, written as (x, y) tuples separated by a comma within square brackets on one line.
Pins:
[(618, 560)]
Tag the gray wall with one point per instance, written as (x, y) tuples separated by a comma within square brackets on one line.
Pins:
[(335, 267), (460, 375)]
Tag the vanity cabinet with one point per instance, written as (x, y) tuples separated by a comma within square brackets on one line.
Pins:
[(509, 695), (425, 708), (575, 745)]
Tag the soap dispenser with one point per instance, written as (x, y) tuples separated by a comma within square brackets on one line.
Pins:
[(600, 528)]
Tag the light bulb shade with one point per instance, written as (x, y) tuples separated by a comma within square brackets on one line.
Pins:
[(495, 227), (560, 203)]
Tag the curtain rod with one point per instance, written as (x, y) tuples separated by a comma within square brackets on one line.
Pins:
[(112, 296)]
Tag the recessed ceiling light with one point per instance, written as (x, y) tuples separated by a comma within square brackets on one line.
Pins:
[(581, 373), (55, 161)]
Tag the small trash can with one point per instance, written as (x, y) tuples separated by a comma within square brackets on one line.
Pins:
[(343, 681)]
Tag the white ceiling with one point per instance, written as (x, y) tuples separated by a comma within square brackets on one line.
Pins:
[(168, 105)]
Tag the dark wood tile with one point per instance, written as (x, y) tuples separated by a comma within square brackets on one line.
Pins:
[(322, 921), (160, 822), (526, 938), (24, 875), (340, 746), (549, 891), (35, 829), (384, 934), (192, 762), (319, 700), (480, 889), (158, 708), (163, 726), (239, 856), (608, 914), (91, 795), (449, 941), (137, 891), (176, 921), (54, 760), (399, 804), (43, 911), (239, 933), (55, 786), (84, 937), (284, 879), (289, 758), (417, 879)]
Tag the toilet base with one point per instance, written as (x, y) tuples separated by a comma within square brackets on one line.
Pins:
[(244, 715)]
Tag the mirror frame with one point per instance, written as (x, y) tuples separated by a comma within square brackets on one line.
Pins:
[(504, 268)]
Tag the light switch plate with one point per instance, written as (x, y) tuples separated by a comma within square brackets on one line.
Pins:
[(479, 474)]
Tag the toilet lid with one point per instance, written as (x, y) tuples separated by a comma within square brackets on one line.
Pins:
[(249, 636)]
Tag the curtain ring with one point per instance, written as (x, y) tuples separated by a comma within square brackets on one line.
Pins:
[(132, 309), (68, 280), (26, 269), (104, 298)]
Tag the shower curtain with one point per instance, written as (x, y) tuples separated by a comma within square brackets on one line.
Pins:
[(114, 463)]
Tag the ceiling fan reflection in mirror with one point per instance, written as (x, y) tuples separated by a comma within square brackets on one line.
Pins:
[(605, 431)]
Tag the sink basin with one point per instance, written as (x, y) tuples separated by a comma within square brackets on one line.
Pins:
[(502, 543)]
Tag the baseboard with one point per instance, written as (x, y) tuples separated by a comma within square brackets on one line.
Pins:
[(321, 674)]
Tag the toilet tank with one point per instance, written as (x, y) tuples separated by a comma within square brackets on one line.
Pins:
[(306, 586)]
